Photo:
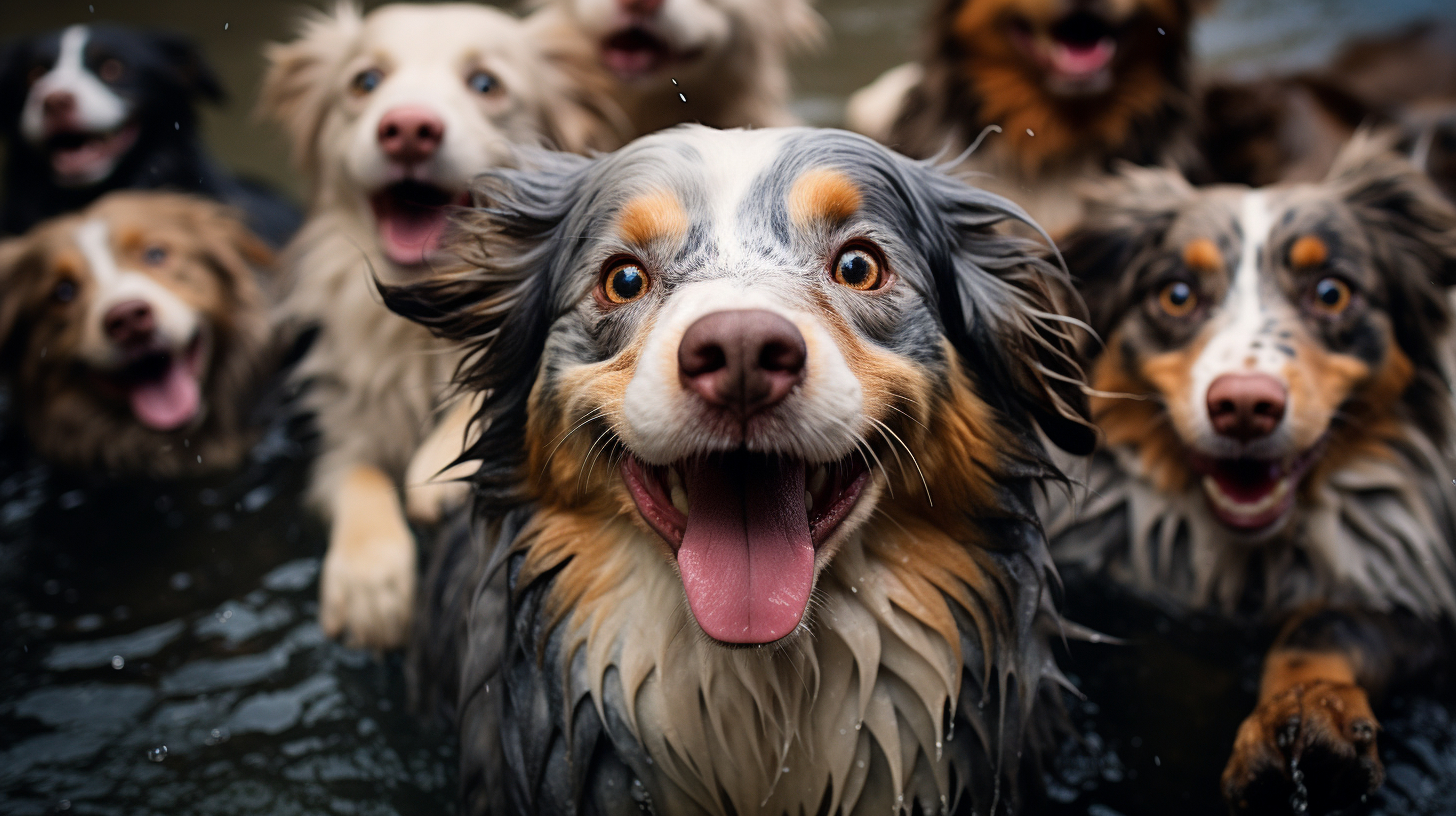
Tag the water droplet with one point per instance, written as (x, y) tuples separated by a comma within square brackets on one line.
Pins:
[(181, 581), (1161, 31), (649, 760), (859, 764), (224, 26), (674, 81), (683, 97), (217, 736), (1029, 132), (117, 661), (64, 804), (157, 754), (1157, 760), (855, 590), (176, 125), (786, 769), (842, 731)]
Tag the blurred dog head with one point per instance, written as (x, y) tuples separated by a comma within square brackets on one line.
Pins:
[(85, 98), (754, 336), (1267, 337), (391, 114), (131, 326)]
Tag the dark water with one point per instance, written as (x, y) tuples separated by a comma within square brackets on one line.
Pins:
[(158, 651)]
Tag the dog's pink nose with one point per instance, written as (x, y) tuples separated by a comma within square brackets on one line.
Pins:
[(130, 323), (646, 8), (1246, 406), (410, 134), (742, 360), (58, 104)]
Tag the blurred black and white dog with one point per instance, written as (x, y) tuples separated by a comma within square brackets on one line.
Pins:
[(91, 109)]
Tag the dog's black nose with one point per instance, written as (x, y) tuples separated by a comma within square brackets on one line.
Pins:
[(410, 133), (57, 104), (130, 323), (742, 360), (1246, 406)]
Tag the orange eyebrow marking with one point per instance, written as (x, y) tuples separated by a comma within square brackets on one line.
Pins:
[(651, 217), (1308, 251), (823, 195), (1202, 255)]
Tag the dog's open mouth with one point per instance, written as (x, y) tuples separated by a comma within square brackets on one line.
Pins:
[(84, 157), (411, 217), (1076, 52), (1253, 495), (635, 52), (162, 386), (745, 528)]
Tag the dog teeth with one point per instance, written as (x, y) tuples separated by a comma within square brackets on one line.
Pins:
[(1229, 505), (676, 491), (817, 480), (808, 500)]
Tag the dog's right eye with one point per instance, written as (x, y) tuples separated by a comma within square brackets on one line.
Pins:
[(858, 269), (65, 291), (625, 282), (366, 81), (1178, 299)]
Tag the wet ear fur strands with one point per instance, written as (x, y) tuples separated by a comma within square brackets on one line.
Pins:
[(753, 530), (1275, 403), (391, 114)]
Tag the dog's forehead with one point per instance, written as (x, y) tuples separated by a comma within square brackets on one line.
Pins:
[(438, 33)]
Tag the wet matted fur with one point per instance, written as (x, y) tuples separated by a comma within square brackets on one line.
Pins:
[(199, 352), (1005, 63), (375, 381), (1331, 506), (561, 630)]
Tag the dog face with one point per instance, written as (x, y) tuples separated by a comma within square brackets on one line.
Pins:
[(759, 334), (124, 311), (395, 112), (83, 96), (1257, 339)]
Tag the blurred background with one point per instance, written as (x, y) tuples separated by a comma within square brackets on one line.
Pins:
[(158, 651)]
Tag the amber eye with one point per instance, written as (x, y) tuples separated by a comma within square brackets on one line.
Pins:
[(1331, 296), (858, 269), (366, 81), (1178, 299), (481, 82), (625, 282), (65, 291), (111, 70), (154, 255)]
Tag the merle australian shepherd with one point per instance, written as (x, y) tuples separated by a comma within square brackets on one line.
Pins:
[(1275, 400), (758, 454), (90, 109)]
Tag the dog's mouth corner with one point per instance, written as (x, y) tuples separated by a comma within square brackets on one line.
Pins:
[(411, 217), (81, 157), (635, 52), (746, 529), (161, 385), (1250, 495)]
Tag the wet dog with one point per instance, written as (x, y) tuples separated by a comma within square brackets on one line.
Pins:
[(90, 109), (722, 63), (391, 115), (1275, 401), (135, 333), (1072, 87), (756, 463)]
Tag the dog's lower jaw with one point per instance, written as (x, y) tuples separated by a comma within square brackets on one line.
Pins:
[(367, 585)]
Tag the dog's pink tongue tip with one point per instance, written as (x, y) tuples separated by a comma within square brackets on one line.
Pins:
[(167, 403), (747, 557), (1083, 58)]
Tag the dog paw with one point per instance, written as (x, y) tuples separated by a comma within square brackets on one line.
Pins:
[(426, 503), (1308, 749), (367, 587)]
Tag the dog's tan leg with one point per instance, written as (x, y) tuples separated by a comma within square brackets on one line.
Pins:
[(1311, 739), (431, 485), (367, 588)]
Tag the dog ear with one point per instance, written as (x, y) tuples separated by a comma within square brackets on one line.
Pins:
[(188, 67), (1013, 315), (296, 89), (497, 300), (12, 252), (241, 258)]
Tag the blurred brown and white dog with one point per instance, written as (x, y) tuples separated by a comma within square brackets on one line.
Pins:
[(722, 63), (391, 116), (1275, 399), (758, 454), (1073, 86), (135, 332)]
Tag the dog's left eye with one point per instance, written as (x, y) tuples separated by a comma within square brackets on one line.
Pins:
[(1331, 296), (366, 81), (65, 291), (111, 70), (625, 282), (858, 269), (481, 82), (154, 255)]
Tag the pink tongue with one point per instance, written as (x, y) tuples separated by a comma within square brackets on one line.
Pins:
[(1081, 60), (169, 402), (747, 558), (411, 233)]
